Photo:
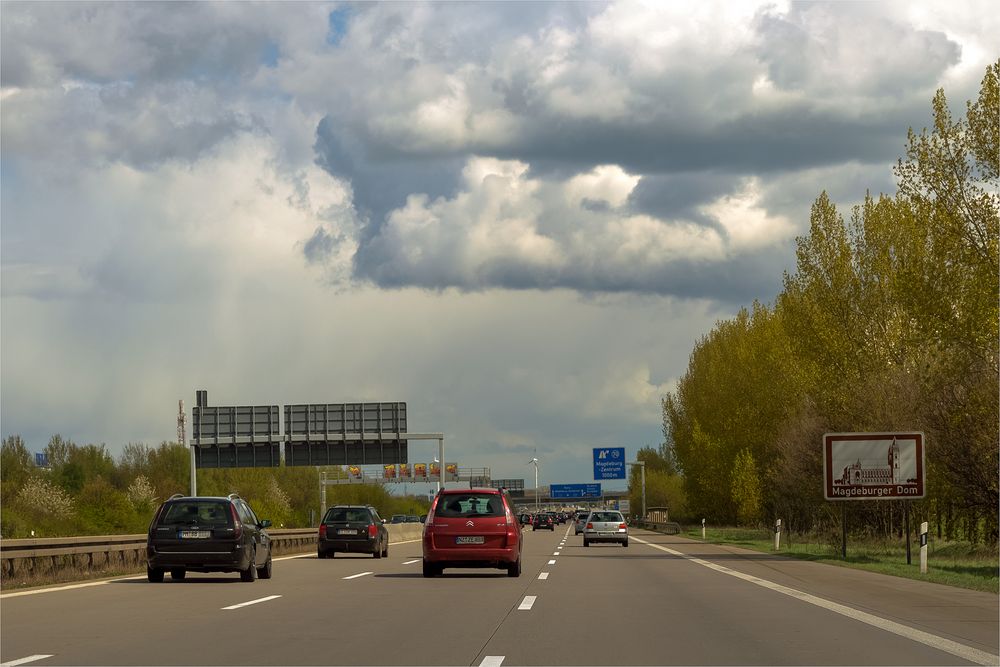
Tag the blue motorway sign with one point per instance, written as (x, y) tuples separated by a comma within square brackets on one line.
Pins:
[(609, 463), (575, 491), (41, 460)]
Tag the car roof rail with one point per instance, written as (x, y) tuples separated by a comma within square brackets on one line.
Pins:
[(176, 495), (234, 496)]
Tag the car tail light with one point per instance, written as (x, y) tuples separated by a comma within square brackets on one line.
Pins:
[(590, 526), (372, 530), (622, 526), (237, 524), (322, 531), (429, 521)]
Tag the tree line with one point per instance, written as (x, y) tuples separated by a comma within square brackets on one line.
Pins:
[(84, 490), (888, 323)]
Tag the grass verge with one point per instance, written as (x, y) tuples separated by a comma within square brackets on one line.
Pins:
[(950, 563)]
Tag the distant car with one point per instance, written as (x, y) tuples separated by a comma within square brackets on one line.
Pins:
[(605, 526), (207, 534), (471, 528), (580, 523), (352, 529), (423, 518), (525, 519), (413, 518), (543, 520), (398, 518)]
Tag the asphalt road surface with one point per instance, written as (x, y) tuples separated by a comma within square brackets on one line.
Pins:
[(664, 600)]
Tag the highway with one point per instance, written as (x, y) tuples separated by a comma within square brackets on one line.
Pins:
[(664, 600)]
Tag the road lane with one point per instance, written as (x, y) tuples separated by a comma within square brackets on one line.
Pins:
[(645, 606)]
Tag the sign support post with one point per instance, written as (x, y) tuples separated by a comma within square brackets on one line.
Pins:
[(906, 512), (843, 526)]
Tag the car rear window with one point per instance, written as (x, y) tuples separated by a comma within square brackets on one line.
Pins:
[(469, 505), (347, 514), (606, 516), (196, 512)]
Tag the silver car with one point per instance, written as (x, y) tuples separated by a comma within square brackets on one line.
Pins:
[(605, 526), (581, 521)]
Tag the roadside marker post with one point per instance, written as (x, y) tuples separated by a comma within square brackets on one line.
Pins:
[(923, 548), (777, 534), (703, 529)]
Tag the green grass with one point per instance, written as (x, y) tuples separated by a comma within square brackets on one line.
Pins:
[(950, 563)]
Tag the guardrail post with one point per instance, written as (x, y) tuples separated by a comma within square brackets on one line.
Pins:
[(923, 548)]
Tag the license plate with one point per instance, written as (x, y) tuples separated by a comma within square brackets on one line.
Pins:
[(605, 534), (470, 539), (195, 534), (347, 532)]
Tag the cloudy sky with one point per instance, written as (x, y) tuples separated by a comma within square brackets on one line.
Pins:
[(516, 217)]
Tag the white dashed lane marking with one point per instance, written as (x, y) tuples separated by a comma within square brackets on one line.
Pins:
[(259, 600), (355, 576), (552, 562), (492, 661), (411, 562), (527, 602), (543, 576), (32, 658)]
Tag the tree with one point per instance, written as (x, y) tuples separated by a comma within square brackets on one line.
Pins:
[(746, 491)]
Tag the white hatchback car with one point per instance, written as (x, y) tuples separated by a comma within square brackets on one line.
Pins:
[(605, 526)]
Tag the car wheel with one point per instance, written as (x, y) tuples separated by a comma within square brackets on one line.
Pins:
[(586, 542), (625, 543), (514, 569), (377, 551), (250, 574), (430, 570), (177, 573), (265, 572), (321, 555), (385, 550), (154, 574)]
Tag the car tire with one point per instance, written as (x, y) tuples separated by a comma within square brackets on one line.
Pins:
[(320, 554), (250, 574), (178, 573), (625, 544), (385, 550), (514, 569), (154, 574), (430, 570), (377, 551), (265, 572), (586, 542)]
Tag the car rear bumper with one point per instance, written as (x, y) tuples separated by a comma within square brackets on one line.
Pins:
[(472, 557), (593, 537), (366, 545), (203, 561)]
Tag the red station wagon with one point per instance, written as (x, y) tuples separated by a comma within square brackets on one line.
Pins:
[(472, 528)]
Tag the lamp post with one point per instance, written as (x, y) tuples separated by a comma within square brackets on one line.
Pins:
[(535, 462)]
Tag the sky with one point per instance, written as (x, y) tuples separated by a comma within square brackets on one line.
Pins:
[(518, 218)]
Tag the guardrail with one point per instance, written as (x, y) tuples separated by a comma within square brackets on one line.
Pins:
[(44, 560)]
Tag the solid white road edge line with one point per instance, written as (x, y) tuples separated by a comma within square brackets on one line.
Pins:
[(543, 575), (40, 656), (355, 576), (934, 641), (552, 562), (66, 588), (492, 661), (411, 562), (245, 604), (527, 602)]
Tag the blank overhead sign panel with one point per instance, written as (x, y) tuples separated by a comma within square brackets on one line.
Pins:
[(345, 434), (241, 436)]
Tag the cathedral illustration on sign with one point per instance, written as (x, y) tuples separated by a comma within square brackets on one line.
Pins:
[(856, 474)]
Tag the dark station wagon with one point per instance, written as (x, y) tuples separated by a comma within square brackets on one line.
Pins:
[(352, 529), (207, 534)]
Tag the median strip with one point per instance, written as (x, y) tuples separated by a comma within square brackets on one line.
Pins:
[(926, 638), (246, 604), (527, 602)]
